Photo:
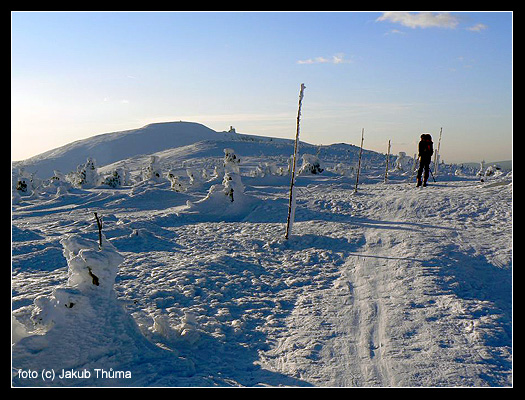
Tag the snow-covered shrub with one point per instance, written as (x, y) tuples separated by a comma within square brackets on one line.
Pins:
[(481, 171), (114, 180), (267, 169), (57, 185), (232, 184), (311, 165), (91, 268), (231, 161), (403, 163), (493, 170), (22, 183), (153, 170), (174, 179), (218, 171), (87, 175), (91, 272), (228, 197), (194, 177), (341, 169)]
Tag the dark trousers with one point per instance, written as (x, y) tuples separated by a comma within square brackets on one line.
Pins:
[(424, 164)]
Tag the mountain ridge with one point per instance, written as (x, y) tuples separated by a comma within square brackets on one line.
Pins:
[(114, 147)]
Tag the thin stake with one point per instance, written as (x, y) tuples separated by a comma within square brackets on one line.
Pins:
[(387, 156), (436, 155), (291, 202), (99, 225), (359, 163)]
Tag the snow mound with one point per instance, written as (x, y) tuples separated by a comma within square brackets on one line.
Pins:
[(227, 199), (82, 334)]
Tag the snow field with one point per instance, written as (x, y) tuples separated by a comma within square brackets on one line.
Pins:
[(195, 285), (390, 286)]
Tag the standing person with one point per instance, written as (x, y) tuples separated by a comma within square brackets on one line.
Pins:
[(426, 150)]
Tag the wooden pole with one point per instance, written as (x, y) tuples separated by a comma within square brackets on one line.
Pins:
[(99, 225), (387, 156), (436, 155), (291, 201), (359, 163)]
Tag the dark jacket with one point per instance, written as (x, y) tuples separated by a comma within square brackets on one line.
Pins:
[(426, 149)]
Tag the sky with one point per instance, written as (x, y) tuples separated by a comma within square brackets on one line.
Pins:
[(394, 74)]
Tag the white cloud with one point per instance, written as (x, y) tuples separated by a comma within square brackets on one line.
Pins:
[(477, 28), (338, 58), (394, 32), (421, 20)]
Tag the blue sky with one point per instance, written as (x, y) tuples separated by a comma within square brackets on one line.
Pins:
[(396, 75)]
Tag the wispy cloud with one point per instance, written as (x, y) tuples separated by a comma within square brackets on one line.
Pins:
[(338, 58), (421, 20), (477, 28), (394, 32)]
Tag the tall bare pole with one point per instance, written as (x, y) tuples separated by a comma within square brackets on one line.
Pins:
[(291, 202), (387, 157), (359, 163), (436, 154)]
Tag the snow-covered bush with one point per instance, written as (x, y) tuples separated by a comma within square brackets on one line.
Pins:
[(57, 185), (231, 161), (403, 163), (174, 179), (311, 165), (341, 169), (218, 171), (91, 268), (119, 177), (82, 325), (153, 170), (22, 183), (267, 169), (91, 272), (114, 180), (481, 171), (86, 175), (493, 171), (192, 174), (232, 184), (228, 197)]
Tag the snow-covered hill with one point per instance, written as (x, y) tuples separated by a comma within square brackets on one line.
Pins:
[(173, 143), (110, 147), (387, 286)]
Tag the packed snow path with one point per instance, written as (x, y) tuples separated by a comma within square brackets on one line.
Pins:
[(424, 300), (390, 286)]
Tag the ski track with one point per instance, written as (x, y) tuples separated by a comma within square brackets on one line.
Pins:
[(384, 287)]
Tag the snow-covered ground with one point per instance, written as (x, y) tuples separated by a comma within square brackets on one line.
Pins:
[(391, 285)]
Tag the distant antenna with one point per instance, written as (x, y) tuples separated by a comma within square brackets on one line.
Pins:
[(291, 202)]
